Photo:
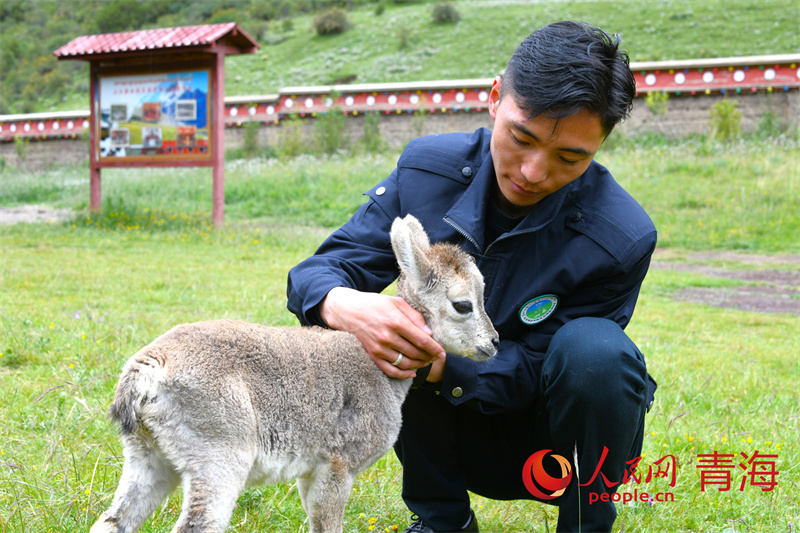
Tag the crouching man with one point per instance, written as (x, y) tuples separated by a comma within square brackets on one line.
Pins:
[(563, 249)]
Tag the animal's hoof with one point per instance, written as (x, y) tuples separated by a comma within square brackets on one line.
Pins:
[(105, 524)]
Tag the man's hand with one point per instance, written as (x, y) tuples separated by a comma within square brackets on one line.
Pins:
[(386, 326), (437, 371)]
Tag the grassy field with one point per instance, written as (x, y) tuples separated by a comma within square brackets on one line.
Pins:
[(77, 299)]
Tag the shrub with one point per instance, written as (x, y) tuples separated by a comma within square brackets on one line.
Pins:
[(406, 36), (250, 139), (420, 117), (264, 11), (445, 13), (372, 141), (656, 102), (331, 22), (22, 145), (726, 120), (329, 131), (108, 19), (260, 31), (770, 125), (291, 143), (223, 15)]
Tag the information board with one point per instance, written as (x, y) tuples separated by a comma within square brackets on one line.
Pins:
[(154, 116)]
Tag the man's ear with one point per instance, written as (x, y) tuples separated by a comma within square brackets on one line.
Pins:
[(494, 96)]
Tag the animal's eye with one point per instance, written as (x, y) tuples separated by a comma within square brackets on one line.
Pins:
[(463, 306)]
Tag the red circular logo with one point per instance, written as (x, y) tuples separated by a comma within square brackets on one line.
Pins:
[(534, 476)]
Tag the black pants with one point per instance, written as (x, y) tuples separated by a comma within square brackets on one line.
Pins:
[(593, 394)]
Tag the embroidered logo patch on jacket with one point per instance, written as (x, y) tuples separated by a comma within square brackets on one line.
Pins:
[(538, 309)]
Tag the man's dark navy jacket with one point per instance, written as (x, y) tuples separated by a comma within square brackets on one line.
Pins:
[(582, 252)]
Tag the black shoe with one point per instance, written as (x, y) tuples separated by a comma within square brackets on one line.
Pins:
[(419, 526)]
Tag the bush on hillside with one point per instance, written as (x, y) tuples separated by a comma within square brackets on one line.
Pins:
[(445, 13), (331, 22), (224, 15)]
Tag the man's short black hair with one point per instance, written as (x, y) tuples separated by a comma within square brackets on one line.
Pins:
[(569, 66)]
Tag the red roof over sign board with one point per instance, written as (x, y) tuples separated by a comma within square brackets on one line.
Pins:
[(183, 38)]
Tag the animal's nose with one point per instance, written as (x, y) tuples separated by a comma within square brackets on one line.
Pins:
[(496, 342)]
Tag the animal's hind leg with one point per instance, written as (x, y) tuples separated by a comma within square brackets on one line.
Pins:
[(210, 490), (147, 478), (326, 495), (303, 484)]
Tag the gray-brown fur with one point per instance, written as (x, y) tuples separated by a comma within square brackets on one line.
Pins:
[(220, 405)]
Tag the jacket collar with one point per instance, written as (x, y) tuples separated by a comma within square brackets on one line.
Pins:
[(468, 214)]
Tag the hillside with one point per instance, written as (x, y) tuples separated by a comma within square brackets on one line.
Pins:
[(388, 40)]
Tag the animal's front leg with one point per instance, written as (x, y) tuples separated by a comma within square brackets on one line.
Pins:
[(303, 484), (328, 489)]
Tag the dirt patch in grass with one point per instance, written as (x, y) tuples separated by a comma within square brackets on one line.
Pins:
[(773, 280), (33, 213)]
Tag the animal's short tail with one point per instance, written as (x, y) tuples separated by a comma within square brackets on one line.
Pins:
[(137, 385)]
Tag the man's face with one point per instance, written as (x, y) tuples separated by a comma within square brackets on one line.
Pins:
[(531, 158)]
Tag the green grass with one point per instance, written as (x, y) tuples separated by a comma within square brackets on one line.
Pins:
[(725, 384), (77, 299), (705, 196)]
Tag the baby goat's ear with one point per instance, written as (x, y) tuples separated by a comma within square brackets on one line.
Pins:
[(410, 242)]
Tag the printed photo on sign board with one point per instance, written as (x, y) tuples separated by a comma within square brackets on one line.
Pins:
[(120, 137), (187, 136), (151, 137), (119, 113), (186, 110), (151, 111)]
